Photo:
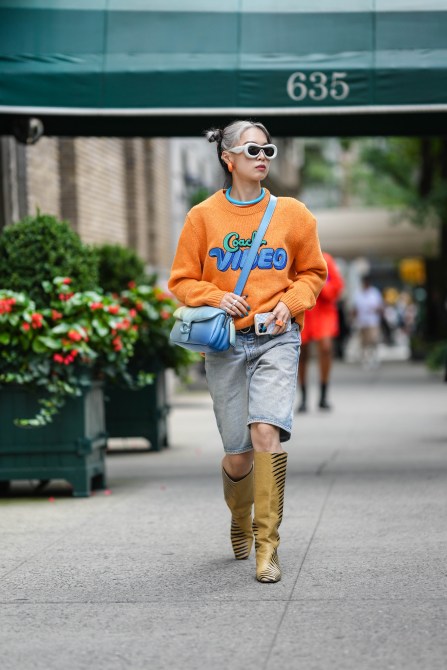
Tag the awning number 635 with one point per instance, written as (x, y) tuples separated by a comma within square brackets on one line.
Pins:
[(317, 86)]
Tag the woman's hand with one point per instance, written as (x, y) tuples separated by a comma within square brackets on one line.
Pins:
[(281, 315), (235, 305)]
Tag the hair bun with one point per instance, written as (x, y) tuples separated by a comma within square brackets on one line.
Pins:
[(214, 135)]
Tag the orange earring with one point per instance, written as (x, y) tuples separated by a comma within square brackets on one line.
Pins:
[(230, 167)]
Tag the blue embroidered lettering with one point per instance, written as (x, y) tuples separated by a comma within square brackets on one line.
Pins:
[(265, 259), (223, 259), (235, 263), (280, 259)]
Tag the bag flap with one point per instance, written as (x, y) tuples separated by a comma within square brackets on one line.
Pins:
[(188, 314)]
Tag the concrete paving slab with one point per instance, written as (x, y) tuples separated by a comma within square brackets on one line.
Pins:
[(348, 635)]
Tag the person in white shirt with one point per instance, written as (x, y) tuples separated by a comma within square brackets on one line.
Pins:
[(368, 310)]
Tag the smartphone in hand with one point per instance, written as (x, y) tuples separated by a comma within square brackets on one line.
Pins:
[(260, 328)]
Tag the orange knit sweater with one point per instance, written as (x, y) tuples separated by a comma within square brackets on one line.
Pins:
[(215, 240)]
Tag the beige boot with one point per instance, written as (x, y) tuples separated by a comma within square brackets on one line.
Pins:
[(269, 483), (239, 498)]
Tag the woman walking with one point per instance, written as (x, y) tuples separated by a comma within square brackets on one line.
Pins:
[(253, 384)]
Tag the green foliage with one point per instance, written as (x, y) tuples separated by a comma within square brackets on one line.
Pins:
[(39, 248), (404, 173), (317, 170), (50, 351), (118, 266)]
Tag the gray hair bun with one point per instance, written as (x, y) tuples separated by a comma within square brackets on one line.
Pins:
[(214, 135)]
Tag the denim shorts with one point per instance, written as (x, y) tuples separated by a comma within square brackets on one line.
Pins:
[(254, 382)]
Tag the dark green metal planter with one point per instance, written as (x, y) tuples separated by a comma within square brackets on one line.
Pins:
[(140, 413), (72, 447)]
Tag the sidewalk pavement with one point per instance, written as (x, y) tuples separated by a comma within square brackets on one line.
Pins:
[(144, 579)]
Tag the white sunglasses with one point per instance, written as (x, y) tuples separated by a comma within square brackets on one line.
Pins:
[(252, 150)]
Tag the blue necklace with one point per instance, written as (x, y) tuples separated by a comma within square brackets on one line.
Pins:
[(247, 202)]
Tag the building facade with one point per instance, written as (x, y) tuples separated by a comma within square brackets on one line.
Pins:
[(111, 190)]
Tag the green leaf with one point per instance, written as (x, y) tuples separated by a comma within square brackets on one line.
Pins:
[(49, 342), (38, 347), (100, 328), (5, 338), (61, 329)]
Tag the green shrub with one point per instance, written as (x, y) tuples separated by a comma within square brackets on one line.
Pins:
[(39, 248), (118, 266)]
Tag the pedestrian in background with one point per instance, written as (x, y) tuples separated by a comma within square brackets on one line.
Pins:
[(367, 313), (321, 326), (253, 384)]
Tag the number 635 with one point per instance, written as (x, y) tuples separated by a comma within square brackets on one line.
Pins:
[(317, 85)]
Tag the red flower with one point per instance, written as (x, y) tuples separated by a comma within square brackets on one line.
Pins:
[(132, 313), (58, 358), (139, 306), (25, 326), (6, 304), (134, 327), (65, 296), (113, 309), (74, 336), (123, 325), (36, 320), (74, 353), (132, 284), (165, 315), (96, 305), (55, 315), (67, 280), (117, 344)]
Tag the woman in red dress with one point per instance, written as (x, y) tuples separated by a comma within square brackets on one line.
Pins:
[(321, 325)]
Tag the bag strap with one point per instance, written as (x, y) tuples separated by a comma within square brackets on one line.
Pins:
[(255, 245)]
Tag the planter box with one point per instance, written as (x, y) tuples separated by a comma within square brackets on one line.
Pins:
[(72, 447), (141, 413)]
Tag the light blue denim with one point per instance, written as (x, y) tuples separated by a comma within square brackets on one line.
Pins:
[(254, 382)]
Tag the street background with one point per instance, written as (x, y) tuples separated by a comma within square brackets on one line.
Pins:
[(142, 576)]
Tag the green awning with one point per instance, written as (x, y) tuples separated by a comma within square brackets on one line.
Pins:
[(196, 58)]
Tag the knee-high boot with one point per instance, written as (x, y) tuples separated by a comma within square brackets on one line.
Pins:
[(239, 498), (269, 484)]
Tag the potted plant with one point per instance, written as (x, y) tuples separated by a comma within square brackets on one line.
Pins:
[(59, 340), (53, 362)]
